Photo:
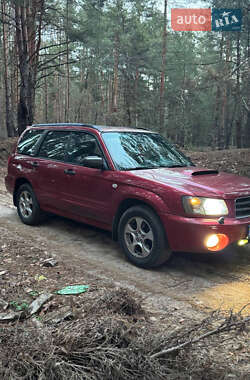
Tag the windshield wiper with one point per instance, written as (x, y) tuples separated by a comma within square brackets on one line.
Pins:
[(157, 167), (176, 166)]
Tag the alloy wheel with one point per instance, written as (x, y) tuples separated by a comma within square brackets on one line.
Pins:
[(139, 237), (26, 204)]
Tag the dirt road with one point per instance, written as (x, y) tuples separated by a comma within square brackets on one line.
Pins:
[(189, 284)]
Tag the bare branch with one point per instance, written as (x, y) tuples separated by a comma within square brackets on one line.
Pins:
[(50, 46), (225, 326), (42, 64), (53, 66)]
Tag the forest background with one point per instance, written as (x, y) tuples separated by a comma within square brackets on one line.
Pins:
[(119, 62)]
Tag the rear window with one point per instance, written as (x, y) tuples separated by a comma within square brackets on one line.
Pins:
[(54, 145), (27, 143)]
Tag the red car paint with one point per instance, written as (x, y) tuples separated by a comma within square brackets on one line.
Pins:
[(95, 196)]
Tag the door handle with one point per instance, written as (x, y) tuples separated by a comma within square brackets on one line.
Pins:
[(69, 171), (35, 164)]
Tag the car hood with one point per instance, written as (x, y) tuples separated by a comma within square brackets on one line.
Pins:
[(198, 181)]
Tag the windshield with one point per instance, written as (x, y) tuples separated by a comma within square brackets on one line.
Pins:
[(142, 150)]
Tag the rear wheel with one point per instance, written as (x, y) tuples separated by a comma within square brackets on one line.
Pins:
[(142, 237), (27, 205)]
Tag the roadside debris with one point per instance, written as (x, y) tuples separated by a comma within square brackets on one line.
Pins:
[(36, 305), (40, 277), (31, 292), (19, 306), (3, 304), (38, 324), (112, 346), (73, 289), (65, 313), (50, 262), (11, 316)]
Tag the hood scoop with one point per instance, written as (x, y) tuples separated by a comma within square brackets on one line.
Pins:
[(205, 172)]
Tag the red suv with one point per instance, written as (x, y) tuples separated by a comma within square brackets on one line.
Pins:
[(131, 182)]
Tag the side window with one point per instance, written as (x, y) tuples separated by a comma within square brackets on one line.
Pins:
[(27, 144), (54, 145), (81, 145)]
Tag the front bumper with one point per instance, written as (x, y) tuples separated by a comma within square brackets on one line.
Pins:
[(190, 234)]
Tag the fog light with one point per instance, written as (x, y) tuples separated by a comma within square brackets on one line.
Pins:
[(243, 242), (216, 242)]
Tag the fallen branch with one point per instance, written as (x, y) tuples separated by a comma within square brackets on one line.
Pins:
[(225, 326)]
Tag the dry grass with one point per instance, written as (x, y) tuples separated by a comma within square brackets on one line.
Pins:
[(118, 341)]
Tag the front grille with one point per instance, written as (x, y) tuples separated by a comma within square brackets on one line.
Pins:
[(242, 207)]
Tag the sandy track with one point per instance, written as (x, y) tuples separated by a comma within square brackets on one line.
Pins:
[(188, 284)]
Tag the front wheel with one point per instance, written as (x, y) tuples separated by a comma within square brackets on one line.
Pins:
[(27, 205), (142, 237)]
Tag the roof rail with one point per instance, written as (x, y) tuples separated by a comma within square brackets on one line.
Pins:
[(64, 125)]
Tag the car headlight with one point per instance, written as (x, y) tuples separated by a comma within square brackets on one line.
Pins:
[(205, 206)]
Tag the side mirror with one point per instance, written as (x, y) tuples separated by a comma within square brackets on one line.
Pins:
[(94, 162)]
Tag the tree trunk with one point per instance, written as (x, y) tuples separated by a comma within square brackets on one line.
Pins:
[(224, 107), (115, 84), (247, 131), (163, 69), (128, 96), (28, 18), (8, 111), (238, 125), (217, 119), (67, 90), (46, 98), (216, 135), (247, 125), (137, 76)]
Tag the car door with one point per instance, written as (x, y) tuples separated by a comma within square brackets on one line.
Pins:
[(90, 190), (52, 179), (24, 164)]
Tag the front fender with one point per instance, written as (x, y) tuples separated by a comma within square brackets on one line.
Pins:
[(142, 196), (130, 196)]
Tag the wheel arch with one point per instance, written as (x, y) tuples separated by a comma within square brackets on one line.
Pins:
[(125, 205), (19, 182)]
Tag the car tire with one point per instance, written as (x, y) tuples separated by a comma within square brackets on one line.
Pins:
[(142, 237), (27, 205)]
